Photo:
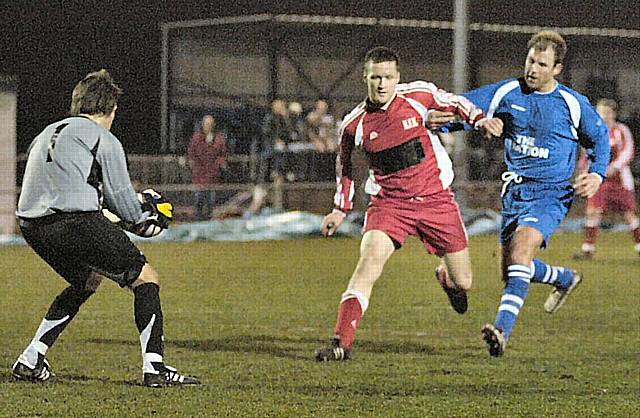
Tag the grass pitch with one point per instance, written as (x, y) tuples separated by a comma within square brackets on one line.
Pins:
[(246, 318)]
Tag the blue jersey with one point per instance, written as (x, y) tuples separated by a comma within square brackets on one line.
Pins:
[(542, 131)]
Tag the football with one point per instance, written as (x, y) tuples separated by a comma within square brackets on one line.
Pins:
[(159, 213)]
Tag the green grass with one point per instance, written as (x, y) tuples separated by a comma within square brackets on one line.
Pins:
[(246, 318)]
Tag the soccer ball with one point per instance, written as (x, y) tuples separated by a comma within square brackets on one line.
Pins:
[(159, 213)]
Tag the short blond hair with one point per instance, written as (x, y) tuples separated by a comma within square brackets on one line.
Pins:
[(610, 103), (549, 38)]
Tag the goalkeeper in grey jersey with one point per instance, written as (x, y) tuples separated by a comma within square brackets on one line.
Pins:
[(75, 168)]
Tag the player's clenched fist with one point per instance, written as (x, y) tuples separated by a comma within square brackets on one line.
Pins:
[(491, 127), (587, 184), (331, 222)]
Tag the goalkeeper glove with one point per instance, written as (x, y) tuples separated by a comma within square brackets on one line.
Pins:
[(158, 211), (157, 214)]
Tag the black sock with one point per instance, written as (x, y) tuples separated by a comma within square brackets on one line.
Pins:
[(67, 303), (62, 310), (146, 309)]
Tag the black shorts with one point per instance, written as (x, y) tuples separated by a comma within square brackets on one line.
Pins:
[(77, 244)]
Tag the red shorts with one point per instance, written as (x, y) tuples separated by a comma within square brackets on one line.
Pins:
[(613, 197), (434, 219)]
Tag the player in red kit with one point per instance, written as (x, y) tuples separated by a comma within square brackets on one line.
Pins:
[(409, 178), (616, 194)]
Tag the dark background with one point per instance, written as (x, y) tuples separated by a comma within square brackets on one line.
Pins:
[(49, 45)]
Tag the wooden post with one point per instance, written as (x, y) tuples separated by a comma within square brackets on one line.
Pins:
[(8, 104)]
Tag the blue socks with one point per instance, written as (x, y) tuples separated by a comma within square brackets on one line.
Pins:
[(516, 289), (555, 276), (513, 296)]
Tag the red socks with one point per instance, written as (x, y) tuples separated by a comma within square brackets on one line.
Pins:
[(349, 316), (591, 234)]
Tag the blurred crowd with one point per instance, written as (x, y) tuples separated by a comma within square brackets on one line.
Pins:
[(292, 142)]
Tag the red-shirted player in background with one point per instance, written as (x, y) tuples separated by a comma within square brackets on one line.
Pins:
[(617, 193), (409, 178)]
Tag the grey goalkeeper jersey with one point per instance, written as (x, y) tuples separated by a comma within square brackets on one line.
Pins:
[(75, 165)]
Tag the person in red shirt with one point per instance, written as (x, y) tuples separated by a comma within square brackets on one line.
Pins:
[(409, 178), (617, 193), (207, 155)]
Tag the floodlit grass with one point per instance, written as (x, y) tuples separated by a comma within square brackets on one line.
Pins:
[(246, 318)]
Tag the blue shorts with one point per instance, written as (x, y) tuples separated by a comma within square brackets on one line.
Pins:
[(538, 205)]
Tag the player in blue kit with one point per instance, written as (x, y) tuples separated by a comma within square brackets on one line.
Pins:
[(544, 123)]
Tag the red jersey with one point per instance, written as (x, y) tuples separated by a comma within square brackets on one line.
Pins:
[(622, 152), (400, 121)]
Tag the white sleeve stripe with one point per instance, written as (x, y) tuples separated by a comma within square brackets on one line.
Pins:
[(627, 178), (574, 108), (342, 197), (415, 91), (351, 117), (441, 97), (626, 154), (417, 86), (359, 132), (446, 99), (419, 107), (499, 94), (336, 197)]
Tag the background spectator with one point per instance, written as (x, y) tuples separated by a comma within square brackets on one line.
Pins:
[(276, 134), (296, 123), (207, 157), (321, 127)]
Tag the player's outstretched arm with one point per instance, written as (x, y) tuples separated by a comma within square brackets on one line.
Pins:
[(331, 222), (438, 118)]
